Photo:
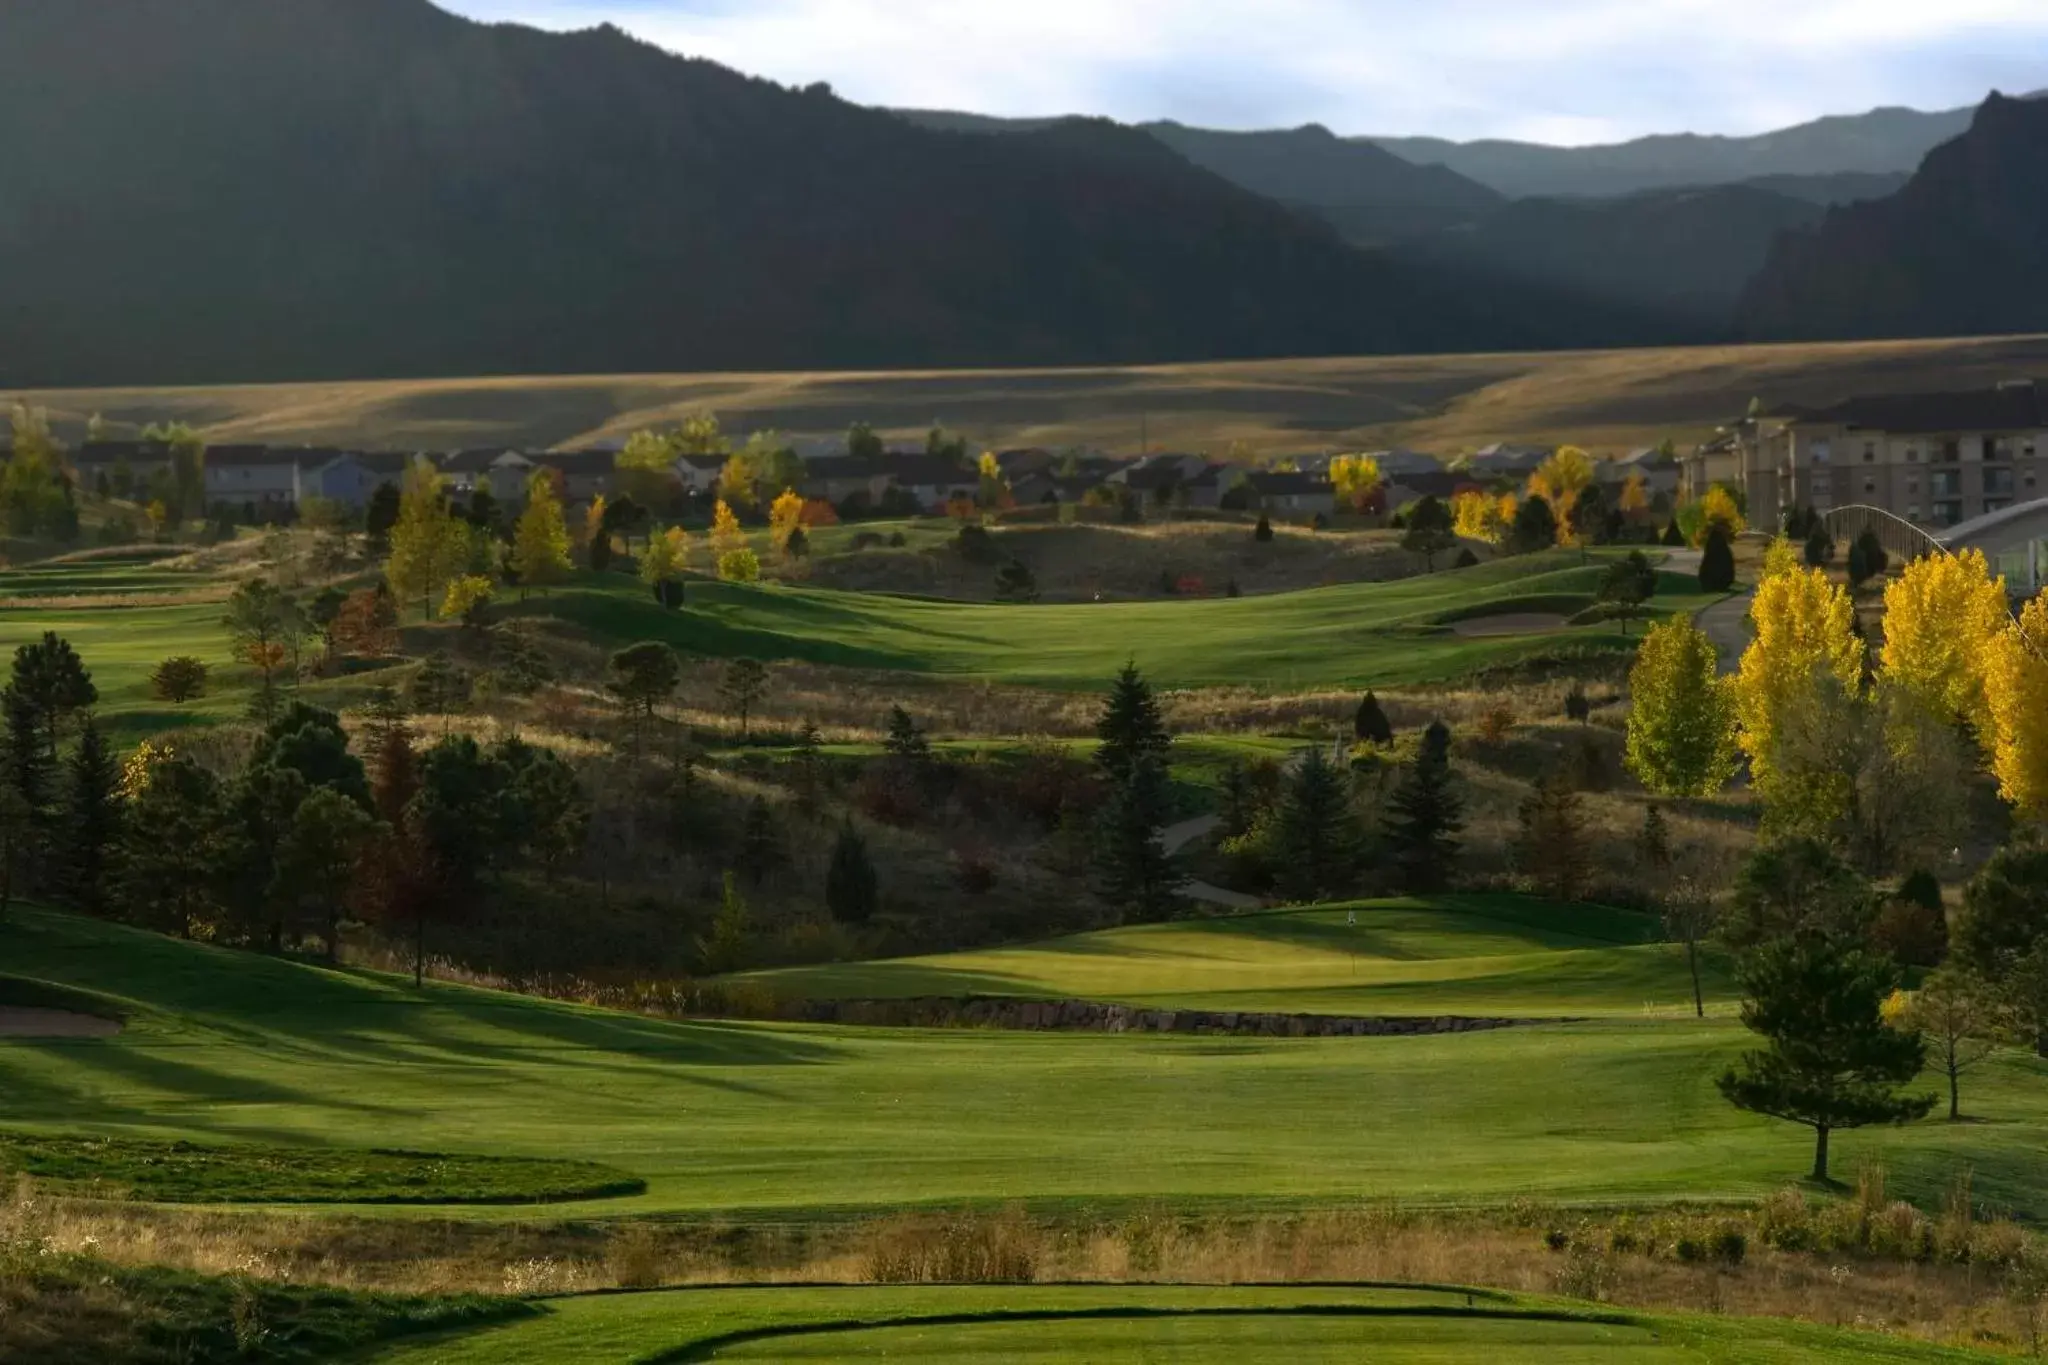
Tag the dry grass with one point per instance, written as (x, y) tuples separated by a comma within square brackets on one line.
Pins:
[(1606, 400), (1933, 1299)]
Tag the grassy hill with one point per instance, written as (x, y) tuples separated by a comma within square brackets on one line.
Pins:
[(1608, 401), (1378, 634), (1191, 1325), (225, 1047), (1483, 955)]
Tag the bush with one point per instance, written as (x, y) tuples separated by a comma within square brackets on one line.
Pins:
[(1466, 559), (1730, 1246), (1717, 563), (179, 679), (1263, 532)]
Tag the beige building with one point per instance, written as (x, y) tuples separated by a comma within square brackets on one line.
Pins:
[(1935, 459)]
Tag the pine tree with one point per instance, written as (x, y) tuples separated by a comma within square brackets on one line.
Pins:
[(1130, 727), (852, 893), (1425, 815), (540, 542), (1315, 833), (1535, 527), (906, 741), (1371, 725), (1552, 849), (1133, 870), (1673, 537), (1829, 1058), (1717, 562), (92, 819), (760, 842)]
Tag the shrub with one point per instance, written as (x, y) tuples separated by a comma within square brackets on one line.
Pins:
[(1495, 723), (1466, 559), (1730, 1246), (179, 679), (1263, 532)]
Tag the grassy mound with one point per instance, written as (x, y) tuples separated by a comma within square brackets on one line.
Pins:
[(1126, 1325), (741, 1120), (68, 1310), (1358, 634), (190, 1173), (1497, 955)]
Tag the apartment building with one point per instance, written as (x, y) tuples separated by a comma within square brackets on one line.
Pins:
[(1935, 459)]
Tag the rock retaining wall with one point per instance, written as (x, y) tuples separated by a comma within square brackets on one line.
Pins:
[(1090, 1017)]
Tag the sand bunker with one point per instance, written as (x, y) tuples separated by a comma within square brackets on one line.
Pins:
[(20, 1022), (1512, 623)]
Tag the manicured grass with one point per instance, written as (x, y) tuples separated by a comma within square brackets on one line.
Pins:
[(1469, 954), (73, 1310), (802, 1121), (1361, 634), (192, 1173), (1125, 1325)]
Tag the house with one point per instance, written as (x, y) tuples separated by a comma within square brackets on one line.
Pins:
[(1935, 459), (1395, 464), (932, 481), (133, 463), (1440, 484), (337, 476), (1018, 464), (1502, 458), (835, 478), (586, 474), (1293, 494), (503, 471), (252, 476), (699, 473), (1660, 470)]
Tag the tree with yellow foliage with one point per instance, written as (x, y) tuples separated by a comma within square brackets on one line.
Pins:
[(2016, 696), (1558, 481), (540, 542), (726, 535), (662, 565), (466, 599), (1681, 724), (429, 544), (1941, 619), (1717, 507), (1803, 635), (739, 566), (1356, 479), (1483, 516), (785, 517), (1634, 500)]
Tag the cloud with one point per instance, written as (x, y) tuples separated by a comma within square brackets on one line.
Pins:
[(1561, 70)]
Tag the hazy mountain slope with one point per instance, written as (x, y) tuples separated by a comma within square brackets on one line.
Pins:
[(1879, 142), (1959, 251), (1682, 253), (206, 190), (1378, 196)]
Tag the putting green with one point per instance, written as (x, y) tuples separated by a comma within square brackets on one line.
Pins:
[(1475, 954), (736, 1119), (1127, 1325)]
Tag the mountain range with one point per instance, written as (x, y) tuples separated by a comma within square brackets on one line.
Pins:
[(222, 190)]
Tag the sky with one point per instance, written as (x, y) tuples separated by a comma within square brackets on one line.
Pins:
[(1562, 71)]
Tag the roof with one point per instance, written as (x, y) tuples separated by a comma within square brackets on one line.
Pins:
[(475, 461), (577, 461), (846, 467), (2013, 406), (111, 452), (252, 457), (1269, 484), (704, 461), (928, 469)]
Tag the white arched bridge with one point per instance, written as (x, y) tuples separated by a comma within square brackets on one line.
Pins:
[(2014, 539)]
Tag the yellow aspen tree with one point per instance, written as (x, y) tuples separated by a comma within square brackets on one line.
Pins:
[(429, 544), (1635, 496), (1803, 634), (1558, 481), (1718, 507), (1681, 723), (665, 558), (593, 520), (2016, 693), (739, 566), (1355, 478), (785, 515), (726, 535), (1941, 617), (540, 542), (470, 593)]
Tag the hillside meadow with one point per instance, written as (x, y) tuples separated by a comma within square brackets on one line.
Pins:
[(1608, 401)]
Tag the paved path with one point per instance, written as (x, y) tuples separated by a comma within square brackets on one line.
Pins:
[(1726, 622), (1177, 837)]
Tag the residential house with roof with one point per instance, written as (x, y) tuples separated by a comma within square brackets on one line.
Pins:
[(1504, 459), (503, 471), (586, 474), (1935, 459), (1659, 470), (1293, 494), (1395, 464), (933, 481), (835, 478), (699, 473)]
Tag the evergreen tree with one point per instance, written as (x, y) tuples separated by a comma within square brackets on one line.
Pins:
[(1314, 831), (311, 742), (1535, 527), (744, 684), (1829, 1059), (852, 893), (1673, 537), (1425, 815), (1820, 548), (1429, 532), (1371, 725), (92, 819), (1717, 562), (1627, 584), (906, 741), (1131, 863), (1577, 705), (1552, 849), (643, 677), (1130, 727), (760, 842), (174, 847), (1263, 532), (52, 681)]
